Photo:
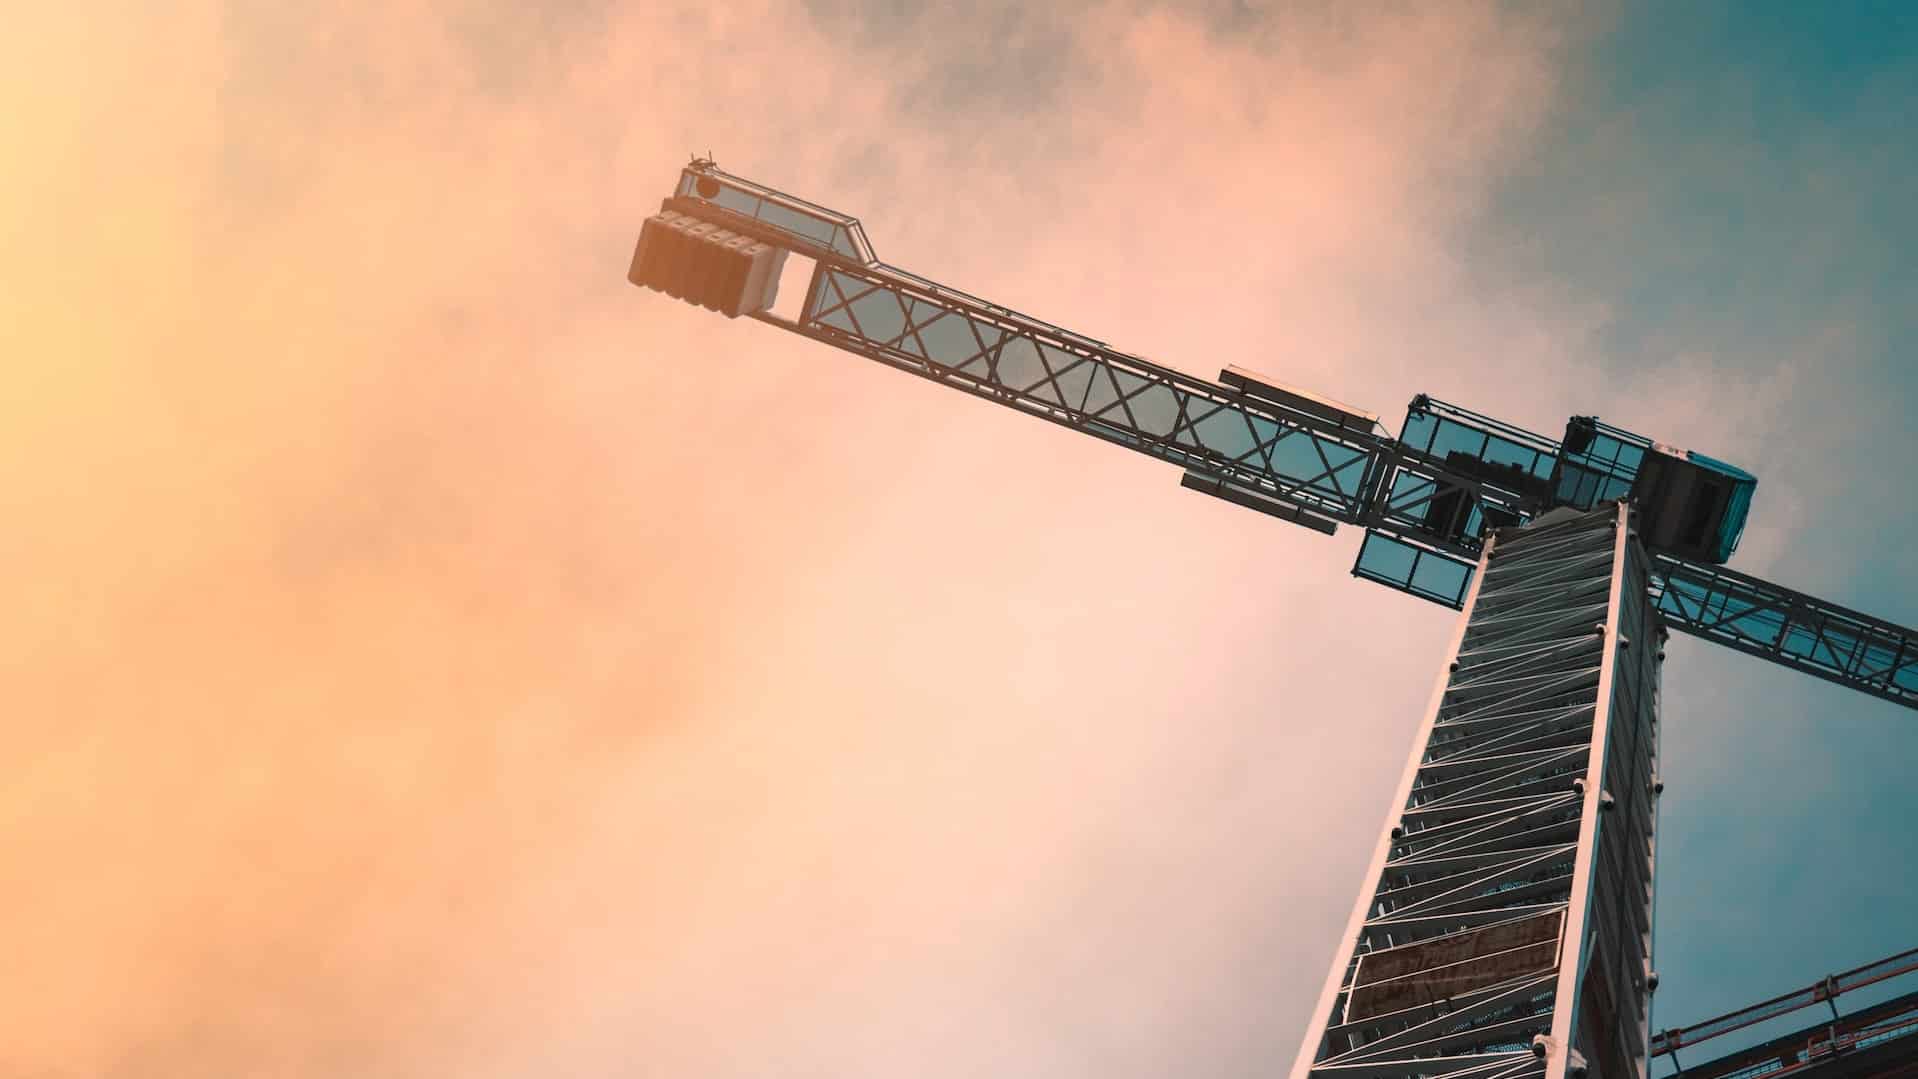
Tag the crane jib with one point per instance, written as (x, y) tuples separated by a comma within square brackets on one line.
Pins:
[(1428, 500)]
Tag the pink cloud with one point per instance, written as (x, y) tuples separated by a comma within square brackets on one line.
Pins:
[(441, 657)]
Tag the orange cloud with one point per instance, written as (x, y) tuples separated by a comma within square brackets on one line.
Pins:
[(431, 656)]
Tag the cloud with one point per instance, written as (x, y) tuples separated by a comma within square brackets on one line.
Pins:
[(436, 656)]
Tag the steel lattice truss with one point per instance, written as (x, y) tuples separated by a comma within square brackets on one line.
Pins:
[(1060, 376), (1504, 868), (1788, 628), (1307, 468)]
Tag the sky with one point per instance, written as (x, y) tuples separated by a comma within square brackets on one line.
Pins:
[(427, 654)]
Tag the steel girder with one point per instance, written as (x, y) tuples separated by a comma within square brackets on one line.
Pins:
[(1504, 927)]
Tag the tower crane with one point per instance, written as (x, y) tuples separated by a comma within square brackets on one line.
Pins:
[(1503, 926)]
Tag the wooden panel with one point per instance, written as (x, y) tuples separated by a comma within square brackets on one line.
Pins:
[(1433, 970)]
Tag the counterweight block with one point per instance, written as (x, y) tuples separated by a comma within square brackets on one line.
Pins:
[(701, 263)]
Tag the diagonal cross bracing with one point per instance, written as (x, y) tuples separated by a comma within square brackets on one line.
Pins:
[(993, 353), (1504, 925)]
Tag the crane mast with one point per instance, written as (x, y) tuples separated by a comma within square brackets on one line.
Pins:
[(1503, 928)]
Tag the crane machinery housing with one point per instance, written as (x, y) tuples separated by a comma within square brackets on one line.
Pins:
[(1503, 928)]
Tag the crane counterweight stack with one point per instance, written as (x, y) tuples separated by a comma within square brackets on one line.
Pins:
[(702, 263), (1503, 929)]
